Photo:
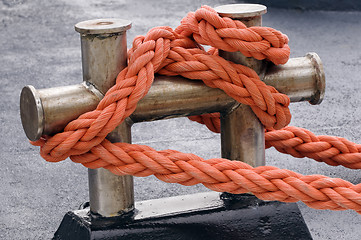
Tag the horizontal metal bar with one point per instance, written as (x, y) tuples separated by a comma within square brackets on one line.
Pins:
[(302, 79), (171, 97)]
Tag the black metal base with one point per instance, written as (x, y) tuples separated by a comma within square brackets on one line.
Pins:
[(238, 217)]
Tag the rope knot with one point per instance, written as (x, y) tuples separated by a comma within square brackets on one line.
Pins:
[(208, 28)]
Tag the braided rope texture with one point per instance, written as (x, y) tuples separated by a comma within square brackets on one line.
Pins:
[(179, 52)]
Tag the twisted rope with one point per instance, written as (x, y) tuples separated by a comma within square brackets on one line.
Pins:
[(179, 52), (222, 175), (300, 143)]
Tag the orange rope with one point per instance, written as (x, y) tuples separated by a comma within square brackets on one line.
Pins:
[(300, 143), (179, 52)]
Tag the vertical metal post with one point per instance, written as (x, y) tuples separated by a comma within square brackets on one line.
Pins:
[(104, 55), (242, 134)]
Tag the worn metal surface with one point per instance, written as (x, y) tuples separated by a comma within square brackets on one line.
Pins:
[(197, 216), (104, 55), (242, 137)]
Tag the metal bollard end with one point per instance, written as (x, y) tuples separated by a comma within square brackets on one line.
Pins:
[(302, 79), (48, 111), (31, 113), (320, 81)]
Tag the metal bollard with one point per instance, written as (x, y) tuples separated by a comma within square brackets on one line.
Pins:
[(242, 134), (47, 111), (103, 41), (104, 55)]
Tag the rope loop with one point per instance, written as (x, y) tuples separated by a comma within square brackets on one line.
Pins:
[(208, 28)]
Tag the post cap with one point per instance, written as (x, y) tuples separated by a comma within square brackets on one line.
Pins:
[(31, 112), (103, 26), (241, 10)]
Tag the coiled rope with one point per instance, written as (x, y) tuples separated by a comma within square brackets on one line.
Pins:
[(179, 52)]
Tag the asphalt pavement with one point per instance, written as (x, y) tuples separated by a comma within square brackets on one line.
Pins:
[(39, 47)]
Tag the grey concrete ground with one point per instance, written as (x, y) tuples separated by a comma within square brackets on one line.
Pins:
[(38, 46)]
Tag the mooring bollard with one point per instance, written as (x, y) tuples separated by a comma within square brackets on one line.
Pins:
[(103, 43), (104, 55)]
